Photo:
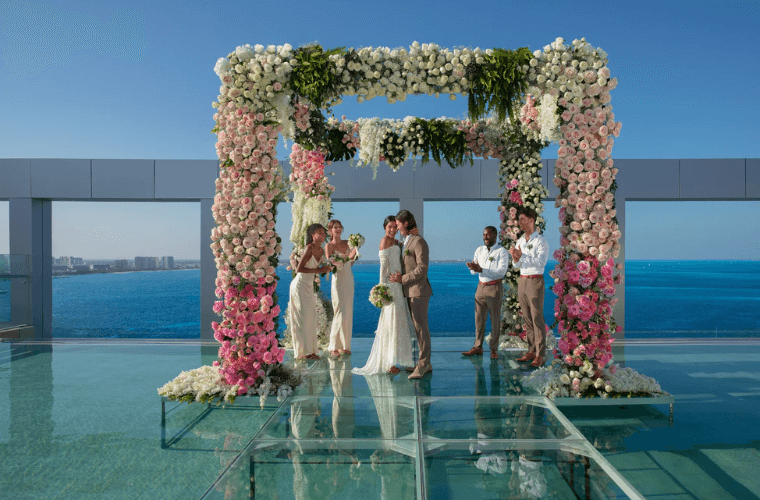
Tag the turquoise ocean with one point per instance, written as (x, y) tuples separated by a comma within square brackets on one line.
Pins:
[(663, 299)]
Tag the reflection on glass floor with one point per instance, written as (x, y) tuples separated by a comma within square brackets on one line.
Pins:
[(348, 436), (468, 430)]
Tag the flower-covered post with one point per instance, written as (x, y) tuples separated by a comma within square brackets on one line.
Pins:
[(578, 79), (312, 204), (522, 188), (245, 244)]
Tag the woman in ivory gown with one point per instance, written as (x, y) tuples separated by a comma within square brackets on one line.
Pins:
[(302, 310), (393, 337), (342, 292)]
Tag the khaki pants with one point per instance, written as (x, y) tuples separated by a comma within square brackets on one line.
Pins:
[(488, 301), (418, 306), (530, 293)]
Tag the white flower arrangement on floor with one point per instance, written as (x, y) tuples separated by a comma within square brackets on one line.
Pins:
[(206, 384), (558, 380), (515, 342)]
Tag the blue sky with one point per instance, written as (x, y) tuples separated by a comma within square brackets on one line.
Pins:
[(98, 79)]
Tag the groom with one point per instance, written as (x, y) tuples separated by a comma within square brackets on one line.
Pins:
[(417, 289)]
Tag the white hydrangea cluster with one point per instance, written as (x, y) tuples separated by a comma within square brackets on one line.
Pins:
[(201, 384), (516, 342), (548, 118), (570, 72), (559, 380), (254, 76)]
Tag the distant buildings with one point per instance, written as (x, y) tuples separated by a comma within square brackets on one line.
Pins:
[(146, 263), (122, 265), (77, 265)]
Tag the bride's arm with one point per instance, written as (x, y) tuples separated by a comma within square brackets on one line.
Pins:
[(384, 271)]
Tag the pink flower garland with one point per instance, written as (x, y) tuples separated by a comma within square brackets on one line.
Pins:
[(585, 174), (308, 172), (246, 246)]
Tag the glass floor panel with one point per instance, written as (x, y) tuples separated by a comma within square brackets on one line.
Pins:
[(82, 420), (483, 418), (322, 470), (509, 470), (308, 417)]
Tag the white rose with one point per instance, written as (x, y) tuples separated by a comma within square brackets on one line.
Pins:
[(222, 66), (244, 53)]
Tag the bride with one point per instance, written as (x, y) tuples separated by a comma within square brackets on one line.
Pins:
[(393, 345)]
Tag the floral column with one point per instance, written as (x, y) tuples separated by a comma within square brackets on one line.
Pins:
[(578, 78), (245, 244)]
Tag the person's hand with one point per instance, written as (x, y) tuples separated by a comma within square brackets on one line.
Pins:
[(475, 267), (415, 231), (515, 253), (395, 277)]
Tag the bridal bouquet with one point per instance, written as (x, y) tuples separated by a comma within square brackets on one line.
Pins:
[(356, 241), (337, 261), (380, 295)]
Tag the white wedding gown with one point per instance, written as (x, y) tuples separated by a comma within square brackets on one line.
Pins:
[(393, 337)]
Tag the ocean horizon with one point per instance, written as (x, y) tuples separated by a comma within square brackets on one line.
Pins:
[(664, 298)]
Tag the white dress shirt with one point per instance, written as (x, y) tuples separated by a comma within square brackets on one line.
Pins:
[(535, 253), (494, 263)]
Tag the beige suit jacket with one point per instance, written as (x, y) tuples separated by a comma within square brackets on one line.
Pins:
[(415, 260)]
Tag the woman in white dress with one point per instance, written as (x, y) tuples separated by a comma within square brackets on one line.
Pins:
[(302, 310), (342, 292), (393, 344)]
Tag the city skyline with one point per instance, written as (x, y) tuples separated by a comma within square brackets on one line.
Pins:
[(674, 230)]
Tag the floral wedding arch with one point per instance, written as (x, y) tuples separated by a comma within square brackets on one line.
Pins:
[(518, 102)]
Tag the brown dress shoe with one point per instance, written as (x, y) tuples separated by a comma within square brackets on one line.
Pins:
[(538, 362), (528, 356), (494, 355), (473, 352)]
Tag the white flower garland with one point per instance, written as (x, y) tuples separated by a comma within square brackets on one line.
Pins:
[(548, 118)]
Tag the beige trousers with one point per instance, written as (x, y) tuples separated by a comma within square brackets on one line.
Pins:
[(530, 293), (418, 307), (488, 301)]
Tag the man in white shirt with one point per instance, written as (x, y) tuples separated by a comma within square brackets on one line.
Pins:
[(490, 264), (530, 255)]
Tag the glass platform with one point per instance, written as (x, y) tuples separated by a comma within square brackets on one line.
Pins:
[(82, 419)]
